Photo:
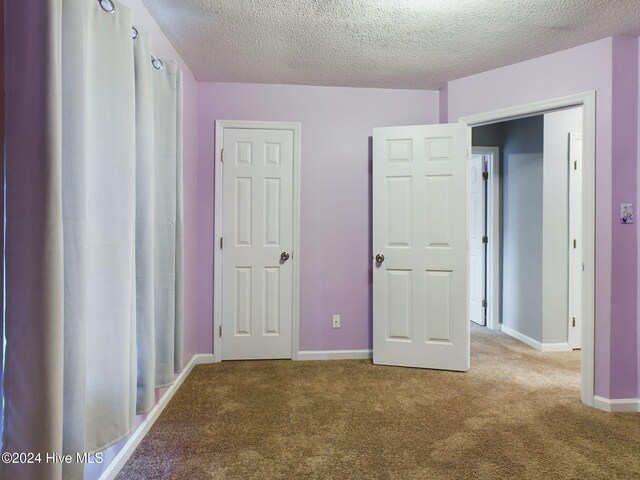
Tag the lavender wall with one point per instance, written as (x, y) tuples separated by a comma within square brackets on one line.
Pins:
[(607, 67), (335, 195), (161, 47), (624, 258), (443, 103)]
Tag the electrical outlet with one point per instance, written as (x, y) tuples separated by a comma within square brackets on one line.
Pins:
[(336, 321), (626, 213)]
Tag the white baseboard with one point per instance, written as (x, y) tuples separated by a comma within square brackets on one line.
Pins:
[(556, 347), (623, 405), (542, 347), (136, 437), (334, 354)]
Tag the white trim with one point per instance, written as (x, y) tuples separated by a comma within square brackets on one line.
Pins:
[(136, 437), (541, 347), (296, 127), (624, 405), (528, 110), (588, 102), (557, 347), (493, 225), (334, 354), (575, 254)]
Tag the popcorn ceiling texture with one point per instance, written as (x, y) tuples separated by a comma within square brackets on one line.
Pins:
[(413, 44)]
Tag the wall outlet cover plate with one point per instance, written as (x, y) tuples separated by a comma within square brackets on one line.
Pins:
[(626, 213)]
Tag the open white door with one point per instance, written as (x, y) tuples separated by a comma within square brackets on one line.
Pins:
[(420, 247), (476, 239)]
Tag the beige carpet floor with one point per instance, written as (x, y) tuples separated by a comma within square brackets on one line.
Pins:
[(515, 414)]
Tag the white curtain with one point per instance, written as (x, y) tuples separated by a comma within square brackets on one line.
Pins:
[(145, 224), (166, 83), (159, 223), (93, 228)]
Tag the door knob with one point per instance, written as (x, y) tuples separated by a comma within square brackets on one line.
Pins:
[(379, 258), (284, 256)]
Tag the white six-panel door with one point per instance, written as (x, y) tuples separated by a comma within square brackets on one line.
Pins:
[(420, 287), (257, 226), (476, 244)]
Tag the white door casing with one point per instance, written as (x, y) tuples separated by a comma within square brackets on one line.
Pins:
[(258, 224), (420, 316), (575, 233), (476, 244)]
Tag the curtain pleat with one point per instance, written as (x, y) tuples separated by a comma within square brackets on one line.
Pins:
[(98, 124), (94, 229), (165, 142), (178, 360), (145, 224)]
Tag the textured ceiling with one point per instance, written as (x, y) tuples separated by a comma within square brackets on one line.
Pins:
[(378, 43)]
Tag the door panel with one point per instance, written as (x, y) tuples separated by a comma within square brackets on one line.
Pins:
[(399, 211), (420, 227), (399, 314), (439, 299), (257, 285)]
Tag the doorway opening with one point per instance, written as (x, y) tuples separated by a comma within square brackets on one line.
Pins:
[(537, 271)]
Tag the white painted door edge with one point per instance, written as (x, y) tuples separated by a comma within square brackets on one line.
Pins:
[(493, 226), (575, 253), (588, 101), (296, 127)]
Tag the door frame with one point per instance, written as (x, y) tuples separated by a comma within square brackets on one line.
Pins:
[(492, 294), (587, 101), (220, 126), (574, 183)]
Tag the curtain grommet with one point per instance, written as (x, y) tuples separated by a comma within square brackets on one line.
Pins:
[(107, 5), (134, 33), (157, 63)]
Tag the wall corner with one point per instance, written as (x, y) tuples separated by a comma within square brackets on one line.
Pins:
[(443, 97)]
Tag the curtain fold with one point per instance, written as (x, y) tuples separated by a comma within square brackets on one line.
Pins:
[(145, 224), (34, 318), (165, 111), (94, 230), (98, 200), (178, 358)]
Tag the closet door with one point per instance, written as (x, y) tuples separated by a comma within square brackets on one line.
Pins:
[(257, 264)]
